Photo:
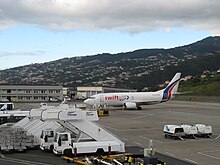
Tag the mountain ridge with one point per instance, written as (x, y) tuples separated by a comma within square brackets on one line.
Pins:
[(133, 69)]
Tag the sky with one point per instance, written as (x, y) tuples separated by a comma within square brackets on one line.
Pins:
[(37, 31)]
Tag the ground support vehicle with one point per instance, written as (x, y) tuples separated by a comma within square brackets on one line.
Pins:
[(174, 131), (204, 130), (148, 158), (6, 105), (47, 139), (65, 145), (89, 137), (102, 112), (189, 130)]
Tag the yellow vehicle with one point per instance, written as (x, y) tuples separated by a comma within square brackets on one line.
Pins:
[(102, 112)]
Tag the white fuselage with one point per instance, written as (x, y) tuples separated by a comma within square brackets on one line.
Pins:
[(132, 100), (119, 99)]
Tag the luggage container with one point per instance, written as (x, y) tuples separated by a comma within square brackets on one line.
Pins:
[(204, 130), (189, 130)]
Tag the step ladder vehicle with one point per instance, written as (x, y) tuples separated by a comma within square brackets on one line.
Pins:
[(65, 121)]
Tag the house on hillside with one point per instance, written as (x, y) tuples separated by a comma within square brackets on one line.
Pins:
[(186, 78), (205, 73)]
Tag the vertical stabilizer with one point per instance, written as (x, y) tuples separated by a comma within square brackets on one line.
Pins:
[(172, 87)]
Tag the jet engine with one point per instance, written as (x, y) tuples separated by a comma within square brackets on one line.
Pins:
[(130, 105)]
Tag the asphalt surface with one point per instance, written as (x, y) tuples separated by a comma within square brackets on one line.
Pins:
[(31, 157), (137, 127)]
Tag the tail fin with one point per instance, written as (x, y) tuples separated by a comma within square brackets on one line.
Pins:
[(171, 87)]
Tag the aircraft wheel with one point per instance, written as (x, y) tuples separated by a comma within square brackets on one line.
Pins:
[(139, 108)]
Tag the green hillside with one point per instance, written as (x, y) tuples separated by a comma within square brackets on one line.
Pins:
[(202, 86)]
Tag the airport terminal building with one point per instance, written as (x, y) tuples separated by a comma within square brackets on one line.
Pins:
[(85, 92), (31, 93)]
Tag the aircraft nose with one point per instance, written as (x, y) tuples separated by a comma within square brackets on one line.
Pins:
[(87, 101)]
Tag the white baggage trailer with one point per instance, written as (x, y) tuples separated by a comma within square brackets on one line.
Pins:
[(189, 130), (204, 130)]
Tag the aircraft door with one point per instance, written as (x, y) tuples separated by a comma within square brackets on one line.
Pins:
[(101, 98)]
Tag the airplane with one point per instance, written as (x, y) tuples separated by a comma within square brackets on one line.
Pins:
[(134, 100)]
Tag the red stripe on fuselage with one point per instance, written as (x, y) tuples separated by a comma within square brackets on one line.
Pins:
[(170, 90)]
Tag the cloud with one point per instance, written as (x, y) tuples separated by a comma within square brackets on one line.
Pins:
[(22, 53), (129, 15)]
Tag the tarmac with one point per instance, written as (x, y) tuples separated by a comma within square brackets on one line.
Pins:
[(138, 127)]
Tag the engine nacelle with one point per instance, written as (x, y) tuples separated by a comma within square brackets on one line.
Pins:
[(130, 105)]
